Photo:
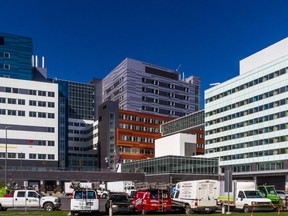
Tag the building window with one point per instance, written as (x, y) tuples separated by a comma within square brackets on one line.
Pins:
[(42, 142), (21, 113), (32, 103), (50, 157), (2, 100), (2, 112), (41, 103), (32, 92), (12, 112), (21, 101), (11, 101), (51, 104), (41, 156), (11, 155), (6, 55), (51, 94), (41, 115), (1, 40), (21, 155), (32, 156), (32, 114), (6, 66), (51, 115), (42, 93), (51, 143)]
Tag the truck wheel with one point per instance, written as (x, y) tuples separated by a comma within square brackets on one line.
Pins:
[(48, 207), (246, 209), (187, 209)]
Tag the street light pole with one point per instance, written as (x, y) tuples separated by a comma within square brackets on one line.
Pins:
[(5, 178)]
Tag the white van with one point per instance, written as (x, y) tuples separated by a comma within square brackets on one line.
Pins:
[(84, 201)]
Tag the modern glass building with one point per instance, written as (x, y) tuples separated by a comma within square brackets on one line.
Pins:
[(247, 117), (173, 164), (15, 56), (77, 116)]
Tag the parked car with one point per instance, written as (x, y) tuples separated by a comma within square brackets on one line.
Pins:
[(152, 200), (119, 202), (84, 201), (282, 194)]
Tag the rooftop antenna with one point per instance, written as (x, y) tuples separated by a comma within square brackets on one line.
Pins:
[(178, 67), (215, 84)]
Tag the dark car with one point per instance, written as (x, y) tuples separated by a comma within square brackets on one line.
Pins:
[(119, 202)]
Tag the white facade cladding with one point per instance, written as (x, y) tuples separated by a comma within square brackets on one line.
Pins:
[(140, 86), (247, 117), (29, 115), (178, 144)]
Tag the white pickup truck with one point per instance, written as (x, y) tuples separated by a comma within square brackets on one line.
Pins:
[(29, 199)]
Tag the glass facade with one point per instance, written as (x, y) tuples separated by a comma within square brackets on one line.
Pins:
[(15, 56), (173, 164), (184, 123)]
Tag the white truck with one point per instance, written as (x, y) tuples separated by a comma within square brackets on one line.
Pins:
[(196, 196), (102, 193), (29, 199), (127, 187), (244, 196)]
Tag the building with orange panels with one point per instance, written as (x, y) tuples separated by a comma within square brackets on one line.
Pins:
[(136, 134), (127, 133)]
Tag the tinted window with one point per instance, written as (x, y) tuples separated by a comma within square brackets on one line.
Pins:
[(84, 195), (21, 194), (119, 198), (1, 40)]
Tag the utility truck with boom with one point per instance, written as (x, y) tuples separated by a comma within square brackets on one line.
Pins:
[(244, 196), (127, 187)]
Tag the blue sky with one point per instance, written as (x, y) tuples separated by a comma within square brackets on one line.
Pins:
[(81, 39)]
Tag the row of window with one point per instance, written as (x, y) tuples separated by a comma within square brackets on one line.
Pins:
[(75, 148), (253, 110), (77, 124), (254, 121), (165, 102), (23, 113), (249, 100), (255, 154), (254, 143), (248, 84), (165, 94), (162, 111), (137, 150), (31, 114), (137, 139), (114, 85), (139, 128), (31, 156), (140, 119), (260, 167), (27, 91), (31, 102), (249, 133), (165, 85)]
